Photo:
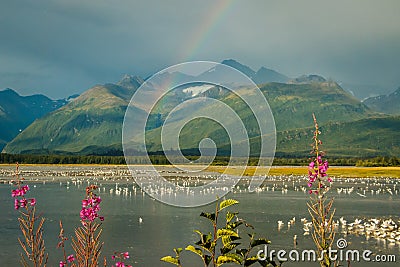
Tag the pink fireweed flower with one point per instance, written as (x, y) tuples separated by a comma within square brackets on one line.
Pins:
[(96, 207), (70, 258), (317, 171), (85, 203), (329, 180), (14, 193), (23, 203), (319, 159), (96, 200), (90, 206), (18, 192), (82, 214), (62, 264), (119, 257), (32, 201), (90, 202), (88, 214), (312, 174), (16, 204)]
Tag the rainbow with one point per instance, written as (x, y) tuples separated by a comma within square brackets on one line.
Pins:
[(205, 28), (201, 34)]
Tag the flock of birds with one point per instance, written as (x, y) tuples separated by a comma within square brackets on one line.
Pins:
[(365, 187), (122, 184), (342, 186), (382, 230)]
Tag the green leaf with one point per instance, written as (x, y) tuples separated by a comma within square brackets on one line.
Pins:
[(198, 232), (207, 259), (229, 258), (230, 216), (203, 238), (226, 203), (210, 216), (248, 225), (229, 247), (233, 225), (171, 260), (195, 250), (178, 251), (259, 241), (242, 251), (268, 263), (228, 239), (205, 241), (226, 232)]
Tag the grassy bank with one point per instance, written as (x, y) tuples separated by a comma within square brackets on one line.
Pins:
[(345, 172), (334, 171)]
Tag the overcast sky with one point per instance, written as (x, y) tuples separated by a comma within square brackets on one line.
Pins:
[(59, 48)]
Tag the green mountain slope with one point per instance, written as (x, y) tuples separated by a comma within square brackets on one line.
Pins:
[(92, 123), (292, 106), (389, 104), (94, 120), (362, 138), (17, 112)]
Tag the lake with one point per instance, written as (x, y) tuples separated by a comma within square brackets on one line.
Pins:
[(165, 227)]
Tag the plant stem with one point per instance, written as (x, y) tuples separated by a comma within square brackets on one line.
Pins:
[(215, 224)]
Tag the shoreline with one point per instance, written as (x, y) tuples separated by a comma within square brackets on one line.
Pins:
[(333, 171), (62, 172)]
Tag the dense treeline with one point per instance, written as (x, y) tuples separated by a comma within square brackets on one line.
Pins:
[(370, 162), (306, 161), (162, 160), (379, 162), (60, 159)]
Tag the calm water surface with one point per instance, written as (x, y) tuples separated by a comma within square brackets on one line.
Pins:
[(165, 227)]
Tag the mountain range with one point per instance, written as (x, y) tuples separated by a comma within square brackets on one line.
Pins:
[(17, 112), (389, 104), (92, 122), (261, 76)]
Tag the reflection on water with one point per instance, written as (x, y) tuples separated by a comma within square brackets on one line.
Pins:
[(164, 227)]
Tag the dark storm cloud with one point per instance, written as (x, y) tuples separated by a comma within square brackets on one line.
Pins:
[(63, 47)]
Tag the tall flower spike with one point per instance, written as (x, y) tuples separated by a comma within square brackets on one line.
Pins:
[(31, 225), (317, 169), (319, 207)]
